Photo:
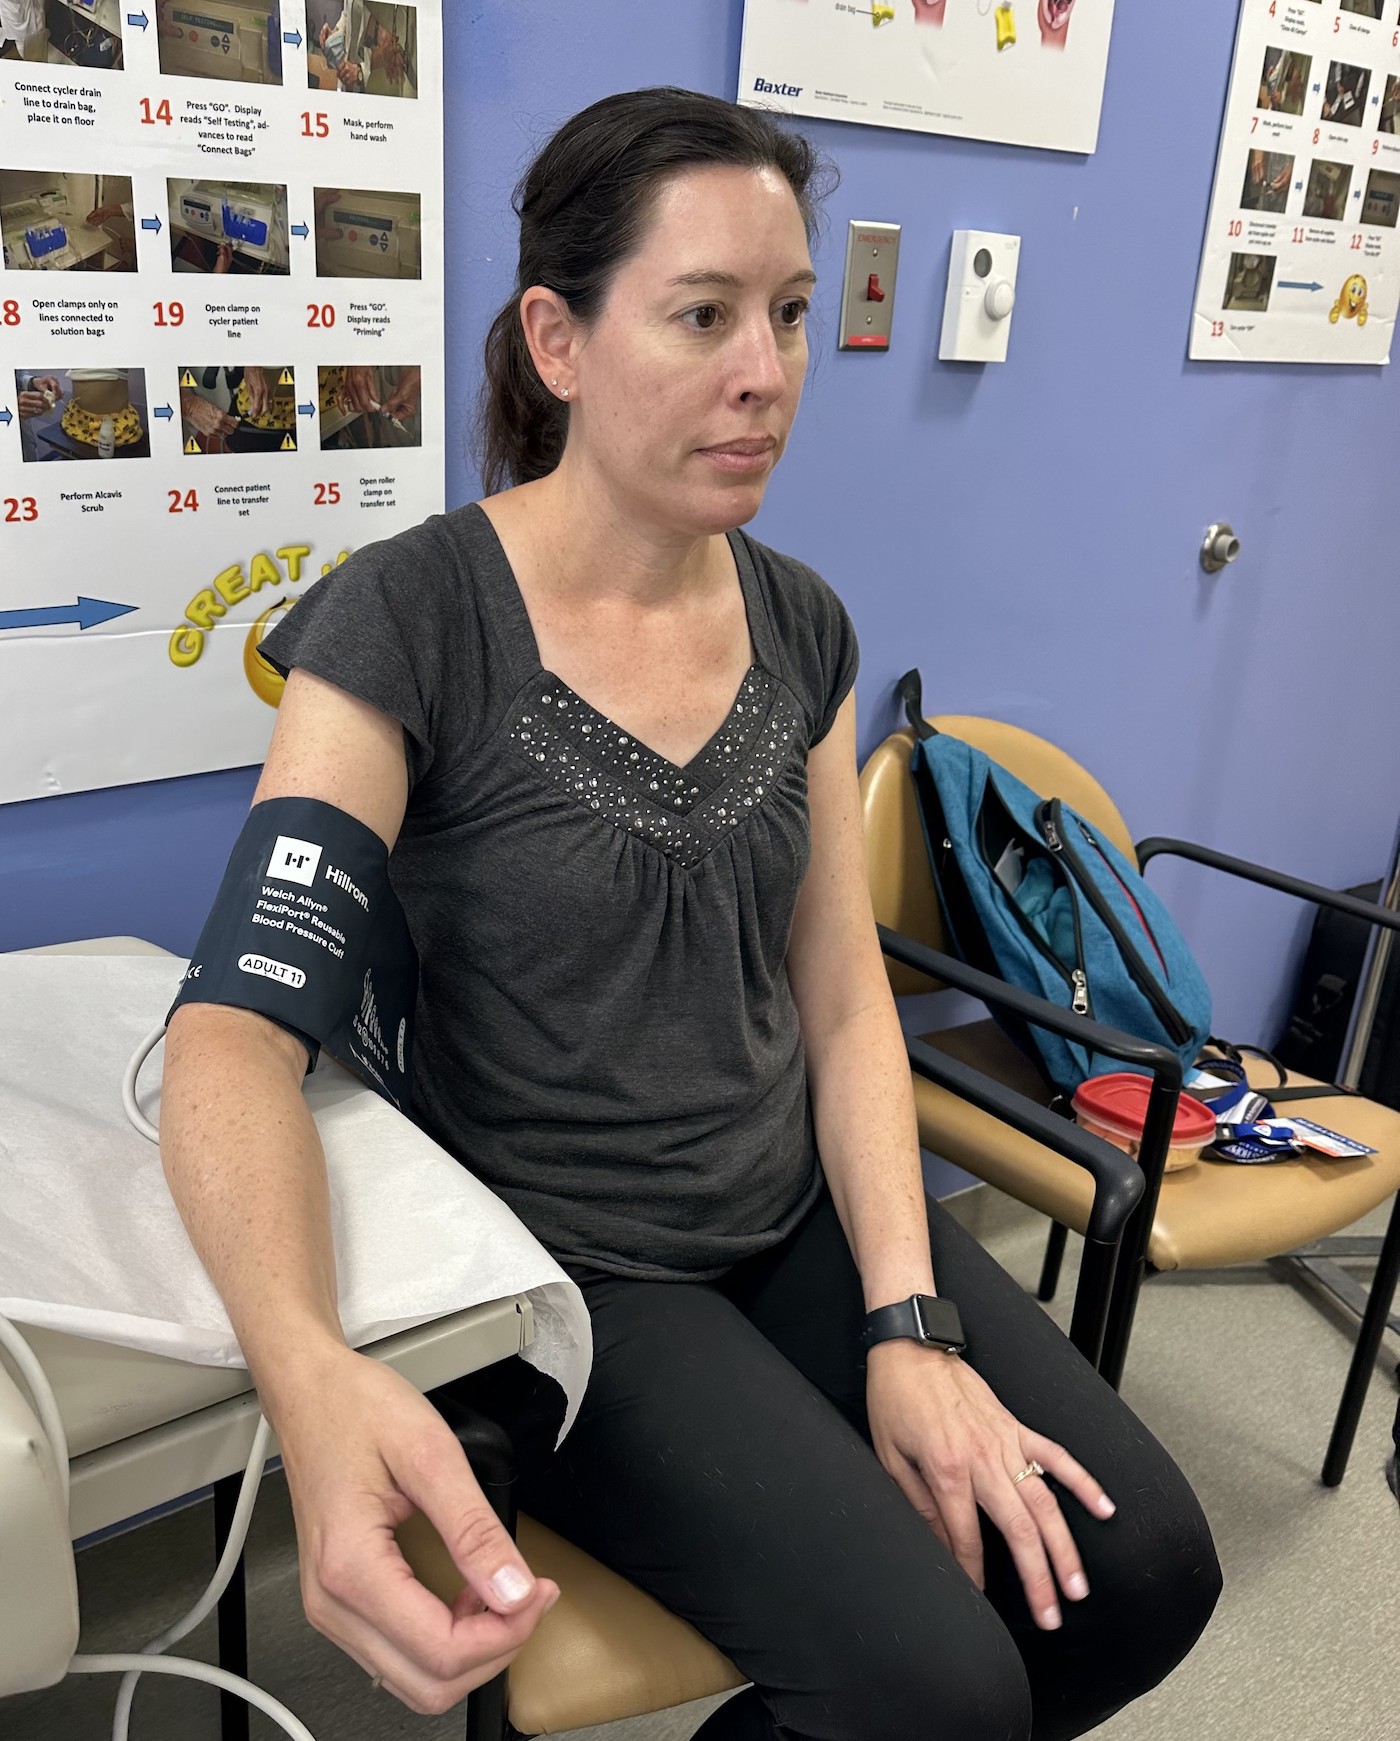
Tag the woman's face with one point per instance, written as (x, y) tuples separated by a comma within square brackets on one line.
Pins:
[(689, 378)]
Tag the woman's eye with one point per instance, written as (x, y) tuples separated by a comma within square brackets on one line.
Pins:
[(792, 313), (706, 317)]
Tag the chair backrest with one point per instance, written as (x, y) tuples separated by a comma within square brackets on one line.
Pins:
[(896, 859), (38, 1587)]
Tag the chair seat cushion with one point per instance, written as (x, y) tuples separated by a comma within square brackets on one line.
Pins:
[(1209, 1214), (605, 1651)]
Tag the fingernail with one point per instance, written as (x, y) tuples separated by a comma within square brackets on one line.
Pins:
[(1077, 1587), (1050, 1617), (511, 1584), (1106, 1507)]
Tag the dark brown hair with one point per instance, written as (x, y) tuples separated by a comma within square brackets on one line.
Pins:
[(583, 205)]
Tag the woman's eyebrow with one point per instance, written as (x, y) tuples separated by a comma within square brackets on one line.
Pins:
[(730, 281)]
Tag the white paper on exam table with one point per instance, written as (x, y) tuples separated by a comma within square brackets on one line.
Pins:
[(91, 1243)]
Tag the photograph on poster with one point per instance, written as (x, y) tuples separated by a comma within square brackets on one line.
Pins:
[(1266, 178), (1250, 281), (238, 408), (1381, 205), (371, 407), (69, 414), (57, 220), (239, 40), (1367, 8), (1390, 106), (368, 233), (1344, 98), (1328, 187), (1283, 84), (72, 33), (363, 46), (227, 226)]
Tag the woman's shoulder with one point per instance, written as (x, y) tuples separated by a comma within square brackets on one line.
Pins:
[(814, 638), (802, 604), (439, 555)]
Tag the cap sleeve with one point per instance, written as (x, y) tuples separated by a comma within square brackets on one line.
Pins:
[(839, 653), (380, 627)]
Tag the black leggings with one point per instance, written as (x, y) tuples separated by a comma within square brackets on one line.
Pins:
[(722, 1461)]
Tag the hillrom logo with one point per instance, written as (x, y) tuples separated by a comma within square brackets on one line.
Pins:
[(769, 89)]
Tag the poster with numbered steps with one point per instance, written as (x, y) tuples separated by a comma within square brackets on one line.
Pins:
[(1027, 72), (221, 358), (1301, 262)]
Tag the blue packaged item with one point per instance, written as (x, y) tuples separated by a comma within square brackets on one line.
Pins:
[(1032, 892), (41, 240)]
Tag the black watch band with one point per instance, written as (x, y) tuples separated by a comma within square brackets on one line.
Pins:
[(923, 1317)]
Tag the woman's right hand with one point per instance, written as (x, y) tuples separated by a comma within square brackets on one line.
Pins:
[(363, 1450)]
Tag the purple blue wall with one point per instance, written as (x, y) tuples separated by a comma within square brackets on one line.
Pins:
[(1028, 532)]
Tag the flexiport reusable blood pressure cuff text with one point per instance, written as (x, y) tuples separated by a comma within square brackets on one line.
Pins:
[(307, 931)]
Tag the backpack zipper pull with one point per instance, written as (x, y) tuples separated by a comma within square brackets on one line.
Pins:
[(1052, 835), (1081, 992)]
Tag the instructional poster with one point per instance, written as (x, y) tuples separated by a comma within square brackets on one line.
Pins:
[(221, 357), (1027, 72), (1301, 262)]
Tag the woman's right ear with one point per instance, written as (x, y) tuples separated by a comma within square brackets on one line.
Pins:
[(552, 338)]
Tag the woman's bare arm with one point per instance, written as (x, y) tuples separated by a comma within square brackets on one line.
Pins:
[(239, 1147), (361, 1447)]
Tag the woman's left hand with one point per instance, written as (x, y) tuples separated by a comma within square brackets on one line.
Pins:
[(951, 1446)]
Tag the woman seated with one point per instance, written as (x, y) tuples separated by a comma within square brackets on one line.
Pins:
[(610, 739)]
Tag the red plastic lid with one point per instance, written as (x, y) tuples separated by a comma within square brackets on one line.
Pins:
[(1121, 1097)]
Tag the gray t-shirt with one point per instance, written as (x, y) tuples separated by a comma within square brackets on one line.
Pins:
[(605, 1031)]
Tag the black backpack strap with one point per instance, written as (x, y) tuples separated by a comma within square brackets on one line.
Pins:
[(1232, 1051), (910, 690), (1314, 1091)]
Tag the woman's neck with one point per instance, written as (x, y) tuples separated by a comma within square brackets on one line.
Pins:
[(582, 546)]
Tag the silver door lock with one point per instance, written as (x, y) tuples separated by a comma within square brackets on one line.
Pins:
[(1219, 547)]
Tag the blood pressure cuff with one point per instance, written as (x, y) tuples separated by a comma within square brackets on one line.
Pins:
[(307, 931)]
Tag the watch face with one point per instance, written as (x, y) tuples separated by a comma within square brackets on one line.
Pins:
[(938, 1321)]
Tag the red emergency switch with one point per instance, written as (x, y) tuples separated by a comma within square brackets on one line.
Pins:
[(873, 292)]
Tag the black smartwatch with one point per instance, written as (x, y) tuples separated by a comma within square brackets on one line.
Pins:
[(923, 1317)]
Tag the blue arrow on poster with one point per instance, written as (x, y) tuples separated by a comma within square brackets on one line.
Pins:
[(5, 415), (150, 223), (165, 410), (307, 410), (300, 230), (1290, 284), (292, 36), (138, 20), (86, 613)]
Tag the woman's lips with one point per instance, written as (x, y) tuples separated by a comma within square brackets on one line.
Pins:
[(743, 457)]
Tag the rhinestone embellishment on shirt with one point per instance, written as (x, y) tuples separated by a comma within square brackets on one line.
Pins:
[(683, 812)]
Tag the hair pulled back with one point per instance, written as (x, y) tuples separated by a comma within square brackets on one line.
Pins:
[(583, 206)]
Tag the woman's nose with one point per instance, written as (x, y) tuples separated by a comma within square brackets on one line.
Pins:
[(759, 371)]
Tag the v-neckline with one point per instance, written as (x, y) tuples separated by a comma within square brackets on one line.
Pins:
[(527, 645)]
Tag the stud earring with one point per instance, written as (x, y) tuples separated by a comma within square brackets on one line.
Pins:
[(564, 393)]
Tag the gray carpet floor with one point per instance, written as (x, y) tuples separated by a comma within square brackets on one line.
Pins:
[(1238, 1373)]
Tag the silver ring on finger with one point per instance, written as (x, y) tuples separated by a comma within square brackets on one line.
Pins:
[(1031, 1468), (375, 1683)]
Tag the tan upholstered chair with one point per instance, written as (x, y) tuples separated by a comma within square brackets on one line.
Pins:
[(1201, 1217), (605, 1651)]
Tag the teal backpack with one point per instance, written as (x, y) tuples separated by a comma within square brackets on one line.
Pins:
[(1032, 892)]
